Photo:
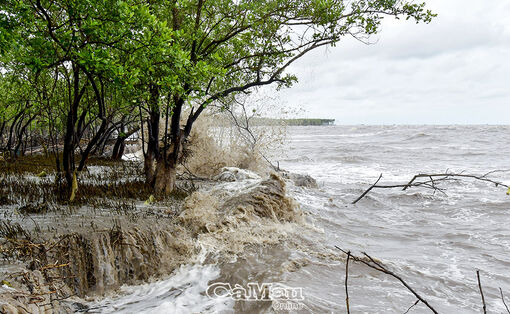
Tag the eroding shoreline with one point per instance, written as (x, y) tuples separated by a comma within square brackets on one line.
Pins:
[(61, 271)]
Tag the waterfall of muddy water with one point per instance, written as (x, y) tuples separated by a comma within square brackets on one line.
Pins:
[(435, 242)]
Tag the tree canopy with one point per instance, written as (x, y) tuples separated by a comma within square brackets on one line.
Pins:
[(80, 72)]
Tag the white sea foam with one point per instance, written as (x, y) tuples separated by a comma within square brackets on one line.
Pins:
[(435, 241), (183, 292)]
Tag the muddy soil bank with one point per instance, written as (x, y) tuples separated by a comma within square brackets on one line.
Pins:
[(54, 260)]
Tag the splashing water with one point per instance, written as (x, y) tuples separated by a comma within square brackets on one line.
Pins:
[(435, 242)]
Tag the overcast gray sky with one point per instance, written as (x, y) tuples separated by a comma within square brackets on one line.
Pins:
[(455, 70)]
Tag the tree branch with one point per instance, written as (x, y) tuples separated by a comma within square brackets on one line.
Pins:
[(433, 180), (368, 190), (503, 299), (372, 263), (481, 292)]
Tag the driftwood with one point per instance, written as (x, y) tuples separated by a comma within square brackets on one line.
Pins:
[(377, 265), (414, 304), (372, 263), (481, 292), (369, 189), (431, 181), (503, 299), (346, 284)]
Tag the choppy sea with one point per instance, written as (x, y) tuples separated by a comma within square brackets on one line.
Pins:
[(436, 241)]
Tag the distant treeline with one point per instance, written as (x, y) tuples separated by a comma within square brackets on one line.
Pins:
[(300, 122)]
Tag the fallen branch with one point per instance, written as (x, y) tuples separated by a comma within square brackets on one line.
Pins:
[(346, 278), (481, 292), (503, 299), (372, 263), (56, 265), (432, 182), (368, 190), (417, 301), (460, 175)]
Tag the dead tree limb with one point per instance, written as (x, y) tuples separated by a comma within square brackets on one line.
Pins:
[(368, 190), (417, 301), (451, 175), (372, 263), (346, 279), (481, 292), (432, 182), (503, 299)]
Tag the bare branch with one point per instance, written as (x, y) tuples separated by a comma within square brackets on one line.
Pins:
[(433, 180), (372, 263), (417, 301), (368, 190), (481, 292), (503, 299), (347, 278), (462, 175)]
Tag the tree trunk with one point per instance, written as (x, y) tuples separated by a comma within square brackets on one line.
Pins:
[(118, 148), (152, 153), (121, 150), (148, 167), (8, 146), (68, 151), (85, 154), (70, 133), (120, 143), (165, 178)]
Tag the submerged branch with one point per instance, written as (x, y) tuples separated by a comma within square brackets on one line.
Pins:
[(368, 190), (481, 292), (433, 180), (346, 280), (374, 264), (414, 304), (503, 299)]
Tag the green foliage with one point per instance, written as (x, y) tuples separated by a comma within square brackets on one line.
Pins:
[(135, 43), (238, 45), (83, 62)]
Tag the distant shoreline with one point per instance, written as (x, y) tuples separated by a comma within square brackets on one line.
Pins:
[(294, 122)]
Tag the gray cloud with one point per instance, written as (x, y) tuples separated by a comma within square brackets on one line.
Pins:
[(454, 70)]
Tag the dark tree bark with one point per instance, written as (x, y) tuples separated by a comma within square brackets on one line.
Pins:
[(166, 168), (120, 143), (8, 146), (165, 178), (152, 153), (2, 127), (21, 145), (118, 147), (72, 117)]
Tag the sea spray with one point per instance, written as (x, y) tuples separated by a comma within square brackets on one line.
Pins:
[(217, 141), (223, 221), (226, 218), (180, 293)]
